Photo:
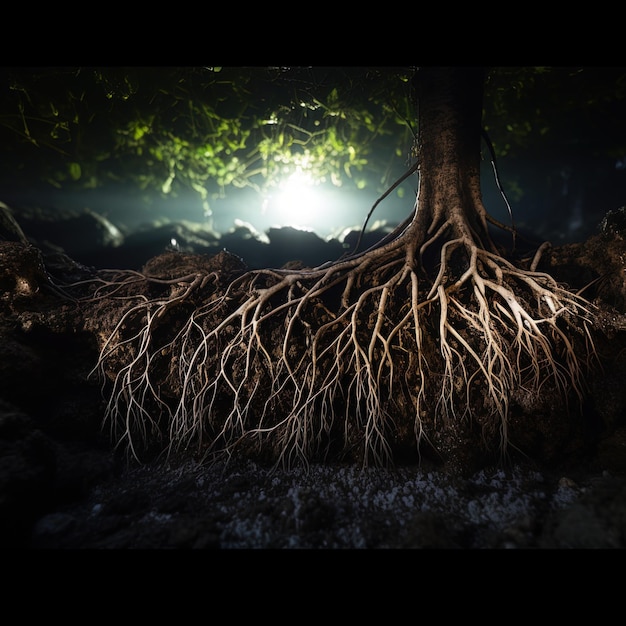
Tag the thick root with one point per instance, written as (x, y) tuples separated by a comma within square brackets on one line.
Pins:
[(359, 358)]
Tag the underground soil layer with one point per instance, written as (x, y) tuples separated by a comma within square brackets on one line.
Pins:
[(64, 486)]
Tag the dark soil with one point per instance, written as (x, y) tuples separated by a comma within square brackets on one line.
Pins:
[(64, 486), (245, 505)]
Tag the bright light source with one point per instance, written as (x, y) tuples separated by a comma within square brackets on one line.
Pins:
[(298, 203), (304, 202)]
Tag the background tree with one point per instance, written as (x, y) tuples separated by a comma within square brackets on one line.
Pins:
[(430, 339)]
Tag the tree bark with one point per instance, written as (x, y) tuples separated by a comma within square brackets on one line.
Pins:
[(450, 102)]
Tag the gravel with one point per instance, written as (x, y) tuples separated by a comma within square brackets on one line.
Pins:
[(243, 505)]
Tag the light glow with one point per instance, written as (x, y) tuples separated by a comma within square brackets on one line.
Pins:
[(298, 203)]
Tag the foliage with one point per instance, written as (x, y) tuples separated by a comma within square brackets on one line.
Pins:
[(165, 130), (204, 128), (547, 108)]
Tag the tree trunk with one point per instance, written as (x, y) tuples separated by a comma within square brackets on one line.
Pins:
[(450, 103)]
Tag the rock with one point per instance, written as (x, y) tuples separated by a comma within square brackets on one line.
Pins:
[(85, 236)]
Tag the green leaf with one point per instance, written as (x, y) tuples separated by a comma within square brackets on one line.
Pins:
[(75, 170)]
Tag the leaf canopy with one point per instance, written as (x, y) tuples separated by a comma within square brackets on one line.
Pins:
[(167, 130)]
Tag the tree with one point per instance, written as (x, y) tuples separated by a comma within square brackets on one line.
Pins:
[(429, 340)]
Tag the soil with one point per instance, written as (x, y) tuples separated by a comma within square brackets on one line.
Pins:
[(63, 485), (244, 505)]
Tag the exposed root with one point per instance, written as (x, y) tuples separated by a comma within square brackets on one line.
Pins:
[(352, 358)]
